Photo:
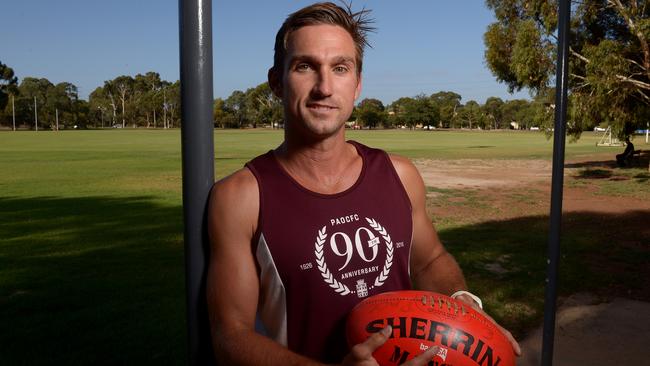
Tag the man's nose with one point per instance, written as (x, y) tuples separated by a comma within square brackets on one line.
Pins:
[(323, 86)]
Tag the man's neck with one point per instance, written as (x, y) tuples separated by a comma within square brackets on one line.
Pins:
[(330, 165)]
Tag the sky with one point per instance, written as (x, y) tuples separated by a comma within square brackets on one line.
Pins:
[(420, 46)]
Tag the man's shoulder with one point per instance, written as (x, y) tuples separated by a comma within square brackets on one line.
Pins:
[(404, 166), (236, 187), (233, 210), (409, 176)]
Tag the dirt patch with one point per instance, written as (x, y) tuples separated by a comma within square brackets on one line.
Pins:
[(511, 186), (589, 333), (605, 236), (479, 173), (601, 202)]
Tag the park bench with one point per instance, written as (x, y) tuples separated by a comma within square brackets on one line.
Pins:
[(634, 158)]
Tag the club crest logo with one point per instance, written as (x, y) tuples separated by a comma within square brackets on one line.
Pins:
[(341, 245), (362, 288)]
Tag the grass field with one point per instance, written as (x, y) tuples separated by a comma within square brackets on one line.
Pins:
[(91, 255)]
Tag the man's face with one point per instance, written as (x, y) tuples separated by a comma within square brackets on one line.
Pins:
[(320, 82)]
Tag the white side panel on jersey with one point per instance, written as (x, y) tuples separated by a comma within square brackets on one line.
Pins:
[(272, 308), (411, 248)]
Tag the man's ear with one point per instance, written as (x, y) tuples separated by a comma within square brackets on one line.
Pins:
[(357, 92), (275, 82)]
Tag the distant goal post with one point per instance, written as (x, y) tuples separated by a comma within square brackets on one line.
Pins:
[(608, 140)]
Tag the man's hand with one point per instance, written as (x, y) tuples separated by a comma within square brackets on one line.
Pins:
[(468, 300), (361, 354)]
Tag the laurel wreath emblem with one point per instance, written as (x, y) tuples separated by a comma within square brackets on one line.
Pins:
[(322, 266), (339, 287), (383, 275)]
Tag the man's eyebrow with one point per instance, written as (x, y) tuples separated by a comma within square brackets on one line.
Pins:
[(344, 59), (311, 59), (299, 58)]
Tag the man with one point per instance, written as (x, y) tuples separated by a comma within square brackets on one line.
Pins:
[(303, 233), (621, 159)]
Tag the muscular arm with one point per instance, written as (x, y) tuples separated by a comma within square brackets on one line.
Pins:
[(233, 281), (432, 267)]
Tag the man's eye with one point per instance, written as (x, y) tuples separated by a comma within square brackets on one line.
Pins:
[(302, 67), (340, 69)]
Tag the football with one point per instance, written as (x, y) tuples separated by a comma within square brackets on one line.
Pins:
[(422, 319)]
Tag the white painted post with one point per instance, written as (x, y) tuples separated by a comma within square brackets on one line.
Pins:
[(13, 110), (35, 114)]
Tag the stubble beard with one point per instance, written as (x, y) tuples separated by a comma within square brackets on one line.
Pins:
[(313, 127), (323, 128)]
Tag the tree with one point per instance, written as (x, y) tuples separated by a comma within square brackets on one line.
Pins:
[(34, 91), (100, 107), (609, 57), (120, 91), (8, 84), (398, 109), (471, 113), (141, 100), (81, 114), (110, 91), (447, 103), (172, 105), (8, 87), (148, 97), (262, 105), (219, 113), (52, 101), (515, 113), (492, 111), (63, 101), (371, 112), (413, 111), (236, 104)]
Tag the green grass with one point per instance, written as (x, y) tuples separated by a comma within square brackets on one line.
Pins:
[(472, 145), (91, 254), (91, 280), (636, 184), (91, 251), (524, 197), (598, 255), (615, 182), (458, 197)]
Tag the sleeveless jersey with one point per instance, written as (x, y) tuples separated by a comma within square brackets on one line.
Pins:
[(319, 255)]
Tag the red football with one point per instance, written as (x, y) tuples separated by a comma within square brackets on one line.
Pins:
[(422, 319)]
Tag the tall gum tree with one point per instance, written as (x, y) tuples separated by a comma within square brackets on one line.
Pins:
[(448, 104), (8, 87), (609, 58), (8, 84), (34, 101), (371, 112)]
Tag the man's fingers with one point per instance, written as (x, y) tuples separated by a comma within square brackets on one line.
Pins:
[(379, 338), (364, 350), (424, 357), (513, 341)]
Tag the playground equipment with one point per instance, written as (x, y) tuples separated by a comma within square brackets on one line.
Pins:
[(608, 140)]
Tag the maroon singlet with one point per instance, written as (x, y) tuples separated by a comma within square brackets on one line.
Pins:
[(319, 255)]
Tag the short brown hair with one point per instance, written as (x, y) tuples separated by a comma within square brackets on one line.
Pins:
[(356, 24)]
